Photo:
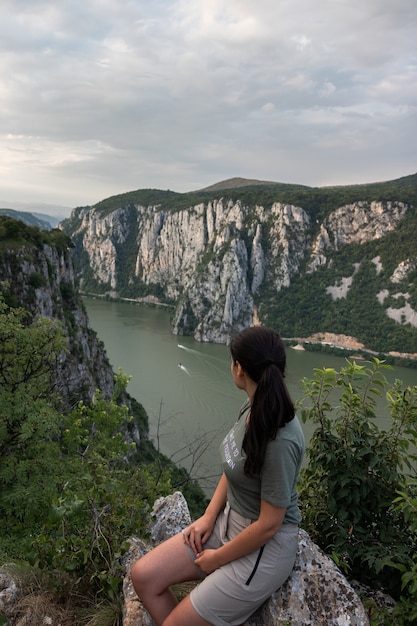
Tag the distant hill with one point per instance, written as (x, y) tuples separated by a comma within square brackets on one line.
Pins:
[(47, 210), (49, 219), (44, 222), (236, 183)]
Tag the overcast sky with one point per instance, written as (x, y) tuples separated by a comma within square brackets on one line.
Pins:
[(99, 97)]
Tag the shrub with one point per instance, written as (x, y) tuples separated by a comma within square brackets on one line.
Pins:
[(37, 280), (356, 469)]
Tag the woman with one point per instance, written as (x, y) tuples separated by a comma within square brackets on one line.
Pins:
[(244, 546)]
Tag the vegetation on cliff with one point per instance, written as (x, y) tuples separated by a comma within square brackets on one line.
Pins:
[(14, 232), (318, 201), (77, 478), (74, 488)]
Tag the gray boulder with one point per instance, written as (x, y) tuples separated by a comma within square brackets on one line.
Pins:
[(316, 593), (9, 591)]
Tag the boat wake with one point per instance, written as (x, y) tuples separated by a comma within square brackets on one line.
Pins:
[(183, 368)]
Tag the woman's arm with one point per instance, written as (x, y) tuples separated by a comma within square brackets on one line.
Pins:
[(218, 499), (248, 540), (199, 531)]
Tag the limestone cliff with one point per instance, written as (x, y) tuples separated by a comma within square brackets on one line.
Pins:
[(222, 261), (209, 260), (355, 223)]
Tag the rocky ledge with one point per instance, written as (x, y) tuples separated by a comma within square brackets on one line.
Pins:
[(316, 593)]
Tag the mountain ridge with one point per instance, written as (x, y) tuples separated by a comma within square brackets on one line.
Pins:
[(237, 182), (318, 200), (31, 219)]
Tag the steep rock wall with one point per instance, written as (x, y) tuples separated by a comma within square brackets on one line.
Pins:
[(355, 223), (42, 280), (210, 260), (213, 261)]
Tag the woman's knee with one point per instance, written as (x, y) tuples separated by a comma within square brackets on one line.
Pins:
[(141, 576), (163, 566)]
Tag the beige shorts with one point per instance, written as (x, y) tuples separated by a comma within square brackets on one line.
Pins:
[(232, 593)]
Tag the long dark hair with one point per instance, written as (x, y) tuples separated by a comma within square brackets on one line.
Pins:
[(261, 353)]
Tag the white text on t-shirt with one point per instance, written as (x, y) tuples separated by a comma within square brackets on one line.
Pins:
[(230, 449)]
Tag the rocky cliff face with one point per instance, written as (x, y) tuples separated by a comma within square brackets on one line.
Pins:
[(210, 260), (355, 223), (41, 279), (213, 261)]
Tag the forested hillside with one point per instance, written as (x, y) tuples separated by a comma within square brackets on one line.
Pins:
[(37, 273)]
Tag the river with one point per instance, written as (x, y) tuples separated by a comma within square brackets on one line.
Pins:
[(185, 386)]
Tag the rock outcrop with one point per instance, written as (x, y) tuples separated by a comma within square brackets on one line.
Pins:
[(41, 279), (316, 593), (355, 223)]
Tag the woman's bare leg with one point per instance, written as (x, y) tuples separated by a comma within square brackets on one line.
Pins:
[(184, 614), (152, 576)]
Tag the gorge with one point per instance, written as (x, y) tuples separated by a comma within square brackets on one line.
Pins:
[(37, 272)]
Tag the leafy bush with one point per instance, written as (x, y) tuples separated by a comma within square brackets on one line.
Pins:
[(349, 488), (104, 498), (36, 280), (406, 609), (29, 451)]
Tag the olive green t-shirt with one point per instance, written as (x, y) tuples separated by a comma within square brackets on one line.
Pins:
[(277, 482)]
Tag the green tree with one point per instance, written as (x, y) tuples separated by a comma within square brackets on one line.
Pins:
[(104, 498), (29, 423)]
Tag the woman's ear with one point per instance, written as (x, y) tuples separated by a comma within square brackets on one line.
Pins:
[(240, 370)]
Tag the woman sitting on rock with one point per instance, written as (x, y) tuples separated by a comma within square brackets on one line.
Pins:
[(243, 548)]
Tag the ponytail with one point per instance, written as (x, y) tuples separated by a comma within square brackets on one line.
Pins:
[(261, 354)]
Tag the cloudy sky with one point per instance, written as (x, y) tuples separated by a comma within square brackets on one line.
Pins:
[(99, 97)]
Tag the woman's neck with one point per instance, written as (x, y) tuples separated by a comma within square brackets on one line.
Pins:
[(250, 389)]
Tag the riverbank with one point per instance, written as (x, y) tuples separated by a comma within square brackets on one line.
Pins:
[(112, 296), (351, 347), (339, 345)]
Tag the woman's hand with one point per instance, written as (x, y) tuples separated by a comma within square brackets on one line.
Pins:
[(208, 561), (197, 533)]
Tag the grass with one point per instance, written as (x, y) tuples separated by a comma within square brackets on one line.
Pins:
[(46, 598)]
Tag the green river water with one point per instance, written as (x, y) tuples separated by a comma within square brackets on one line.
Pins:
[(185, 386)]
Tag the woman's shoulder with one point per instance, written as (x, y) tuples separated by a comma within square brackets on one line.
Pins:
[(244, 409), (292, 431)]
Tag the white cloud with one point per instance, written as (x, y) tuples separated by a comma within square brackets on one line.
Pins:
[(103, 96), (301, 41)]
